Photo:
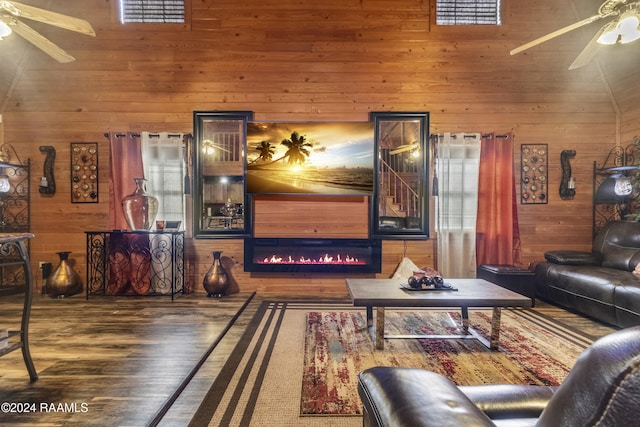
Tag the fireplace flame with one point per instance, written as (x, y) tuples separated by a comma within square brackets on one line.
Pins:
[(324, 259)]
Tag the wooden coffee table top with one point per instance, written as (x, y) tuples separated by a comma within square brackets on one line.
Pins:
[(470, 293)]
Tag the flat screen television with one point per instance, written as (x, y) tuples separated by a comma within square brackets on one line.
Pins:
[(310, 158)]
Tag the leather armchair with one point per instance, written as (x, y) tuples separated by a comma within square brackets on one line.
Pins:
[(603, 388)]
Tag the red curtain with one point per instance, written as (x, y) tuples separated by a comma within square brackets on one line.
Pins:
[(126, 164), (129, 255), (498, 234)]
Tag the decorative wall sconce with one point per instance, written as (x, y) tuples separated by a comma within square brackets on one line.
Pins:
[(567, 183), (47, 182)]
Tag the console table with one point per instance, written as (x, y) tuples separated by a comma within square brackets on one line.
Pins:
[(135, 262), (13, 252)]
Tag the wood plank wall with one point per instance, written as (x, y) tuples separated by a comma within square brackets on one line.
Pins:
[(311, 216), (303, 60)]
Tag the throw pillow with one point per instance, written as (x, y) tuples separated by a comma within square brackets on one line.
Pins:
[(636, 271), (405, 269)]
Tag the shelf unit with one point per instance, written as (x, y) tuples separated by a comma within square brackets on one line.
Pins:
[(620, 161), (14, 254), (15, 214)]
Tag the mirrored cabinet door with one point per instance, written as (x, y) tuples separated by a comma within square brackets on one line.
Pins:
[(220, 200), (400, 205)]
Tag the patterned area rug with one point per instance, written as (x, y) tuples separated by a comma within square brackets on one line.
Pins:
[(297, 364), (532, 350)]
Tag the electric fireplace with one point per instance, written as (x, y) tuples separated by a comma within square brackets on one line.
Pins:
[(300, 255)]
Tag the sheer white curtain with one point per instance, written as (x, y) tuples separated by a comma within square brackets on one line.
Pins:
[(163, 163), (162, 158), (457, 166)]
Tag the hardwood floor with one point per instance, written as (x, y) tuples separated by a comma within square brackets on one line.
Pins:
[(120, 361)]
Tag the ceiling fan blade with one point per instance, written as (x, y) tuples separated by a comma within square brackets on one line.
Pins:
[(48, 17), (210, 144), (36, 39), (560, 32), (589, 51), (403, 148)]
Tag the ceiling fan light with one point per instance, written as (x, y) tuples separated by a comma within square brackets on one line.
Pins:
[(610, 34), (629, 29), (208, 148), (625, 30), (4, 30)]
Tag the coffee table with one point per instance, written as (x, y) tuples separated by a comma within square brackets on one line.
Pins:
[(479, 293)]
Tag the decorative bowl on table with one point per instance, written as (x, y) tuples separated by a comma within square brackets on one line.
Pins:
[(422, 282)]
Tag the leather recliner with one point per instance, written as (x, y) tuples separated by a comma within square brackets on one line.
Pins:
[(603, 389)]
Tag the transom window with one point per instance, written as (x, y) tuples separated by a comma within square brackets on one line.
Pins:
[(152, 11), (468, 12)]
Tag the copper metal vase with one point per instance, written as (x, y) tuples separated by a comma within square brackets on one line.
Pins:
[(216, 280), (64, 281)]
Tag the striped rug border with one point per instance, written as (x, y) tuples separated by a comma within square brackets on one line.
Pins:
[(558, 327), (274, 311)]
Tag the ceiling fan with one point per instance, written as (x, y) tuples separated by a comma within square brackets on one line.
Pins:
[(12, 12), (209, 147), (623, 29)]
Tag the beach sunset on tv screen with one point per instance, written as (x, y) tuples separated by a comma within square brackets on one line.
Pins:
[(310, 157)]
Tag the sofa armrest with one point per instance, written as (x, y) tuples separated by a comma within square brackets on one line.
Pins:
[(508, 401), (573, 257), (413, 397)]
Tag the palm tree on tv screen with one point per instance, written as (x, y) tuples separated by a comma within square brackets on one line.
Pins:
[(266, 151), (297, 151)]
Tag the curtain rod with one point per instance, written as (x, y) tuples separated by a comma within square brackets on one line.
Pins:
[(120, 135), (453, 135), (152, 135), (170, 135)]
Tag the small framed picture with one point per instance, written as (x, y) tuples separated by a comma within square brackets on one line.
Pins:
[(172, 225)]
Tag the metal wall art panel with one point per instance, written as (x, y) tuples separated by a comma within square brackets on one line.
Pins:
[(84, 172), (534, 173)]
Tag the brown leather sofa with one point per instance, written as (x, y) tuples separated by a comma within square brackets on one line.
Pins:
[(599, 283), (603, 389)]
